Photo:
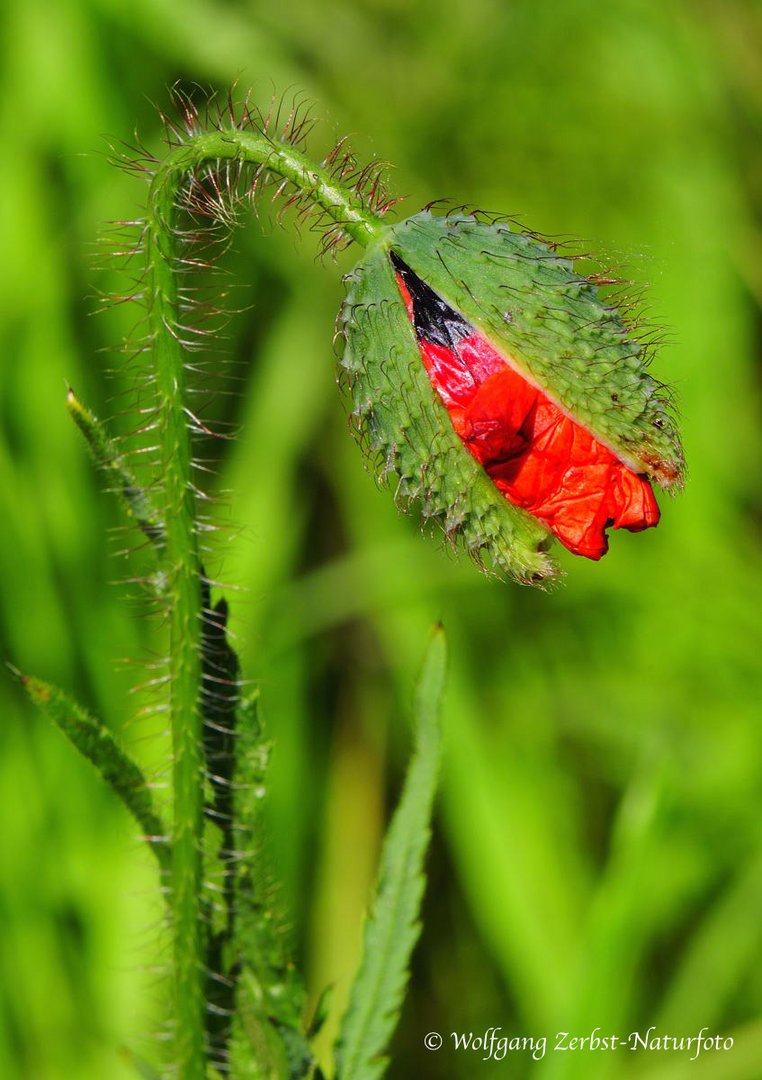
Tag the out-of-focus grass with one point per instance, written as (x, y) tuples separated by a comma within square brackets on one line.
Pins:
[(598, 855)]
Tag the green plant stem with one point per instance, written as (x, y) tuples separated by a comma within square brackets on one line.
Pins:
[(183, 565), (340, 203), (180, 538)]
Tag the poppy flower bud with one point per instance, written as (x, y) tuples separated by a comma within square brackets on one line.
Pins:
[(504, 392)]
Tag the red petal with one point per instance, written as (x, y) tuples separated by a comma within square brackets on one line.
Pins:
[(538, 457)]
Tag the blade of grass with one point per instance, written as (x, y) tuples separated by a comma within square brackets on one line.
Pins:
[(721, 950)]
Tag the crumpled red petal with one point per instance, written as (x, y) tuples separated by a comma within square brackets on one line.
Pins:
[(538, 457)]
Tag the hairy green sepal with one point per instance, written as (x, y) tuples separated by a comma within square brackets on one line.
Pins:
[(405, 425), (554, 326)]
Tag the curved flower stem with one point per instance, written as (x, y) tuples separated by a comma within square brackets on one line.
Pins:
[(183, 564), (342, 204)]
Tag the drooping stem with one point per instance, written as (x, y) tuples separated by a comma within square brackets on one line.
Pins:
[(341, 204), (183, 566)]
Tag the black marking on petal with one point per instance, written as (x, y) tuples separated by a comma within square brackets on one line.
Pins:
[(433, 320)]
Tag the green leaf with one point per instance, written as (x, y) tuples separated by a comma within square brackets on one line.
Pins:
[(393, 926), (95, 742), (121, 480), (321, 1013)]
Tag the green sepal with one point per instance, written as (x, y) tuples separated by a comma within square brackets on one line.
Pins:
[(402, 422), (556, 328)]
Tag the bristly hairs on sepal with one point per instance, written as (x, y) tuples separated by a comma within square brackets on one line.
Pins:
[(477, 354)]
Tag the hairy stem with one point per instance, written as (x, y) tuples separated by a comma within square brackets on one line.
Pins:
[(341, 204), (183, 565), (181, 552)]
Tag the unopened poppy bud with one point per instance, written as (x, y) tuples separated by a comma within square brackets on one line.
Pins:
[(504, 392)]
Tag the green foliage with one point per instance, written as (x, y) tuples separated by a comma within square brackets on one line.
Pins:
[(119, 476), (393, 925), (237, 1003), (98, 745), (599, 829)]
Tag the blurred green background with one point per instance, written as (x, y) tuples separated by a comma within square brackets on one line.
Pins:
[(597, 858)]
